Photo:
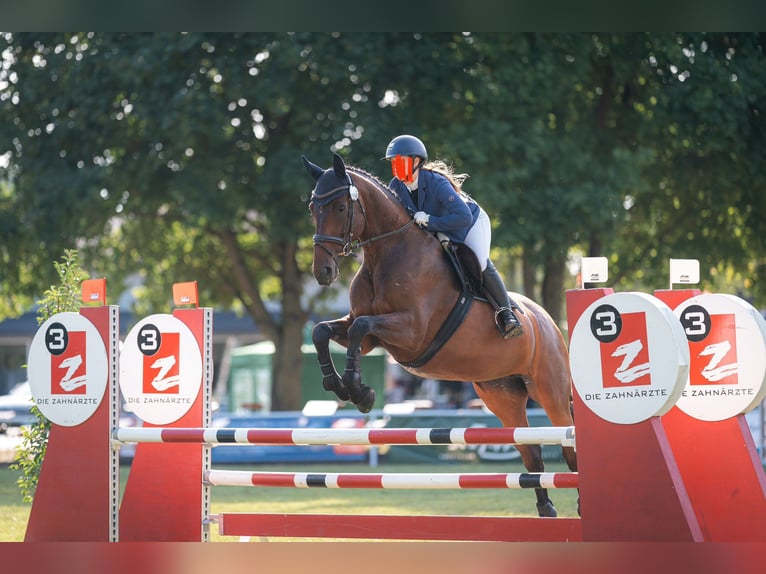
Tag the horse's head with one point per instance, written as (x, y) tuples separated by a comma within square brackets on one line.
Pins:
[(334, 201)]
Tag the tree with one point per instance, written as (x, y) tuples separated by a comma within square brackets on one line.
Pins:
[(177, 155), (703, 98), (544, 156), (635, 146)]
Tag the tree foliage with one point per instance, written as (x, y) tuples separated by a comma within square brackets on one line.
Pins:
[(59, 298), (177, 156)]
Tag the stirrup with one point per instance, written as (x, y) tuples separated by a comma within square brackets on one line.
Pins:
[(511, 327)]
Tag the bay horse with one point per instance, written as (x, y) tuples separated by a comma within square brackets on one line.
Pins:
[(401, 295)]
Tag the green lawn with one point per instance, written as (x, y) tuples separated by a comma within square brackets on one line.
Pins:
[(495, 502)]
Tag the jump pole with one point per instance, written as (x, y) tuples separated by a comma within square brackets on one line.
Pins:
[(718, 459), (396, 527), (393, 481), (564, 436)]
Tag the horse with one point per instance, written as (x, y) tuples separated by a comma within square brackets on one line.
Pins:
[(400, 297)]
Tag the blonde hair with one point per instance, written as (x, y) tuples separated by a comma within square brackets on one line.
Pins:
[(456, 179)]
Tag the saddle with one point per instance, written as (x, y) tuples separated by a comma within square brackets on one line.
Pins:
[(465, 264), (468, 276)]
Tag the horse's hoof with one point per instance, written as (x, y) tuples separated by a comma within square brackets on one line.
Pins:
[(364, 405), (338, 388), (546, 510)]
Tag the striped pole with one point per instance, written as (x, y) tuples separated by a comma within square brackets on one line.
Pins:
[(392, 481), (564, 436)]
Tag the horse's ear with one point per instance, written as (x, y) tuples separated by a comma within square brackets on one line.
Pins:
[(314, 170), (338, 166)]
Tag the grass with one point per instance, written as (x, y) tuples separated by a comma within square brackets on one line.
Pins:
[(13, 511), (491, 502)]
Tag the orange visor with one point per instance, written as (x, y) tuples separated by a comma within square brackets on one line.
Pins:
[(401, 167)]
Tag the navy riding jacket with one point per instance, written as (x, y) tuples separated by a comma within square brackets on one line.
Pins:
[(449, 211)]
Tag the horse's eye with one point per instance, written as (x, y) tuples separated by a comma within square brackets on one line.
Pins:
[(341, 207)]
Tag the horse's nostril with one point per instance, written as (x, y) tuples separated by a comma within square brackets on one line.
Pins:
[(324, 275)]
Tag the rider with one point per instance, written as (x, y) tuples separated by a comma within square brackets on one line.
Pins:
[(433, 193)]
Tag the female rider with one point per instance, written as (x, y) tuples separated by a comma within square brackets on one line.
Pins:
[(432, 192)]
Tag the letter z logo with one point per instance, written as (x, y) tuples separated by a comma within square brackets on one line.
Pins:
[(161, 358), (165, 378), (68, 360), (713, 358), (624, 347), (627, 372)]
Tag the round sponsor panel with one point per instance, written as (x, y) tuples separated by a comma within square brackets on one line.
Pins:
[(727, 350), (160, 369), (68, 369), (629, 357)]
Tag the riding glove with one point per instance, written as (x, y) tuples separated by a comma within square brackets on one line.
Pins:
[(421, 218)]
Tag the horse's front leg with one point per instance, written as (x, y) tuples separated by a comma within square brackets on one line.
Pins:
[(321, 335), (363, 396), (387, 328)]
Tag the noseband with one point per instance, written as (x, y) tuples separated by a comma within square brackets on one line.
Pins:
[(350, 245), (348, 240)]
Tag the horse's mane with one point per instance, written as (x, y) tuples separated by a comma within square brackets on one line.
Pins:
[(378, 183)]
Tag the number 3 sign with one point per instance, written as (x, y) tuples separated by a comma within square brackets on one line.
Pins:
[(727, 349), (68, 369), (160, 369), (629, 357)]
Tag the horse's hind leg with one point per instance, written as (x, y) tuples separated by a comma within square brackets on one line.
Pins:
[(556, 398), (532, 456), (507, 399)]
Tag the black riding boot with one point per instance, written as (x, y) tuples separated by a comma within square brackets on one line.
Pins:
[(505, 319)]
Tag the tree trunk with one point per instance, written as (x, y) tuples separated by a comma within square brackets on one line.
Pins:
[(553, 286), (287, 388), (529, 276), (286, 366), (286, 332), (594, 244)]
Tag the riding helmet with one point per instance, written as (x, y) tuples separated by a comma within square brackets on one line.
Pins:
[(406, 145)]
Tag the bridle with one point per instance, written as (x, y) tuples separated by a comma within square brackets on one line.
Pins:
[(348, 241)]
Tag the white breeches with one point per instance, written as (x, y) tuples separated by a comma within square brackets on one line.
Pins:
[(479, 238)]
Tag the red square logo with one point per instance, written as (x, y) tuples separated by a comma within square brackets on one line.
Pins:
[(162, 369), (625, 361), (713, 361), (68, 370)]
